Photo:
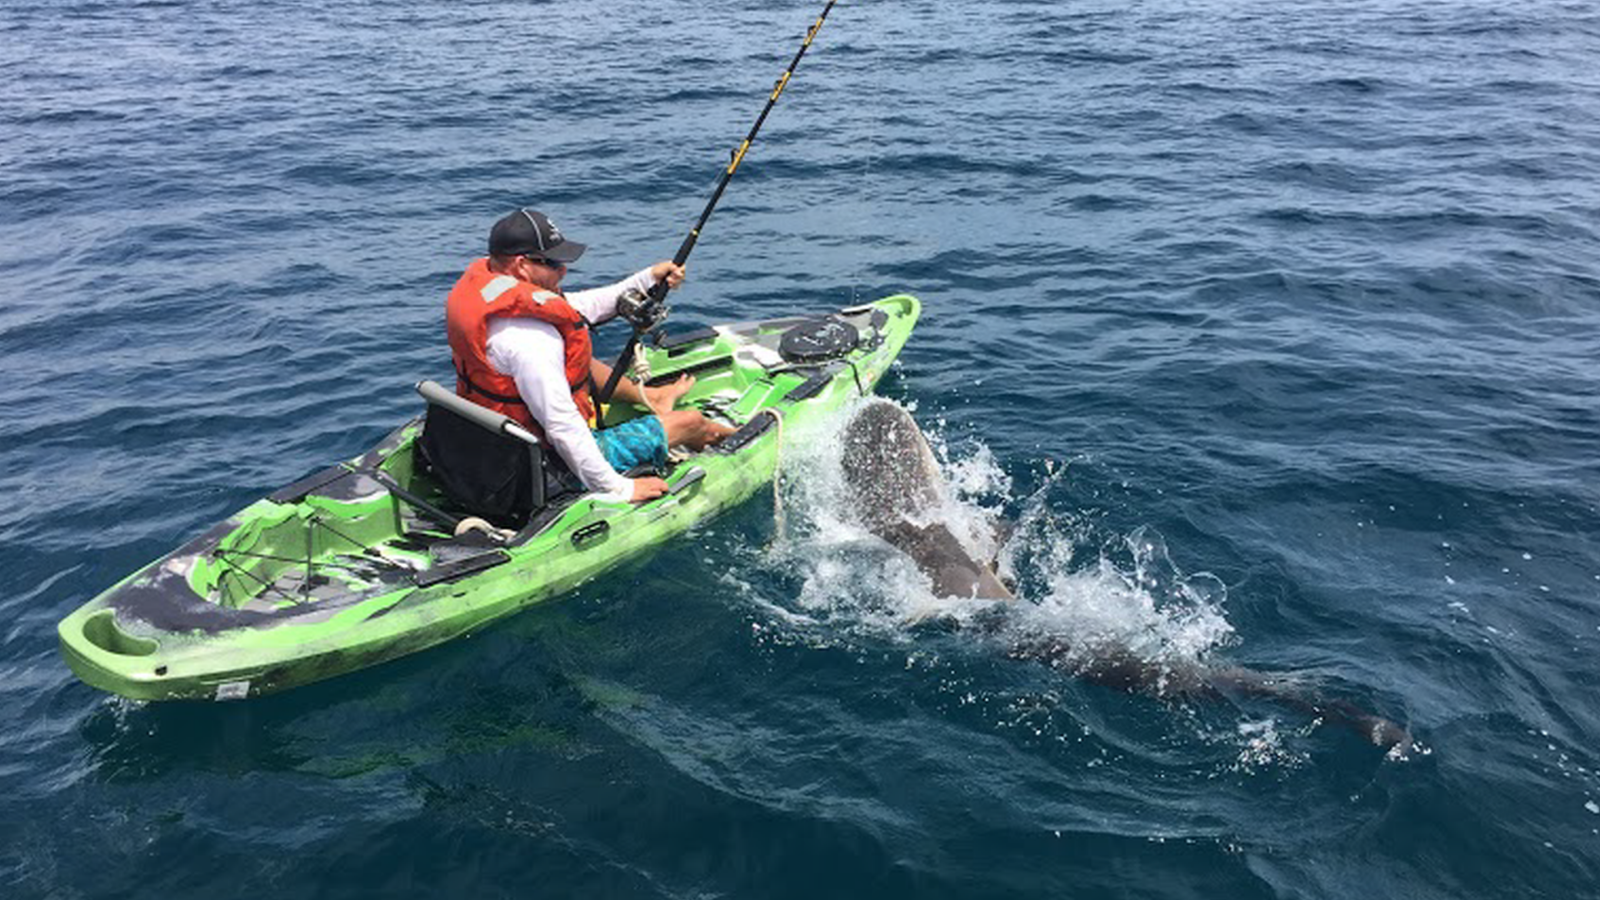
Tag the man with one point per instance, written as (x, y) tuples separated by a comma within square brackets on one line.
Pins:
[(521, 347)]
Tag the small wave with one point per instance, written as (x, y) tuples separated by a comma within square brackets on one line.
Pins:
[(1350, 84)]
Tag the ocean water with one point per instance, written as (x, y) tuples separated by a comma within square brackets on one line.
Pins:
[(1257, 334)]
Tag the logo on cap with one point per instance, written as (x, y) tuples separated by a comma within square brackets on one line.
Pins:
[(530, 232)]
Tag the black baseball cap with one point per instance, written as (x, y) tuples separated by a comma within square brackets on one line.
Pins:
[(528, 232)]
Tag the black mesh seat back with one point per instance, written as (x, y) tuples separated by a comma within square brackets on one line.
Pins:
[(484, 473)]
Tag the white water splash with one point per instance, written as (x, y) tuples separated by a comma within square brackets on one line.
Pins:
[(1128, 598), (1262, 746), (1106, 606)]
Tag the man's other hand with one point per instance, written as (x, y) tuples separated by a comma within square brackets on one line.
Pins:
[(671, 271), (648, 488)]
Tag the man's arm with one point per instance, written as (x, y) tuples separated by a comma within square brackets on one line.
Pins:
[(531, 351), (600, 304)]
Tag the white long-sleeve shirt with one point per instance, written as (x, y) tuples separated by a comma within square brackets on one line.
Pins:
[(532, 352)]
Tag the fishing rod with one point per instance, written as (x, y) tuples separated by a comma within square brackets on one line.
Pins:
[(647, 311)]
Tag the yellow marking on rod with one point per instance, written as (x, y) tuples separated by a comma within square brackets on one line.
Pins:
[(782, 83), (738, 156)]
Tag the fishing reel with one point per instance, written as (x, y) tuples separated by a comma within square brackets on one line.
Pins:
[(643, 311)]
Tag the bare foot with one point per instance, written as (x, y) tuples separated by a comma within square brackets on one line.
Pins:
[(691, 429), (664, 398)]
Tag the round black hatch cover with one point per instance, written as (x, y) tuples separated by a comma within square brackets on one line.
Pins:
[(818, 339)]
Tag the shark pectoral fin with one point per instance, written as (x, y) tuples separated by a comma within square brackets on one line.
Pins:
[(1007, 582), (944, 560), (991, 587)]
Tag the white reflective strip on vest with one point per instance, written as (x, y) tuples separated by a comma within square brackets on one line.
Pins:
[(497, 286)]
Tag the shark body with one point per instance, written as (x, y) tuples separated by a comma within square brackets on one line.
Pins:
[(897, 489)]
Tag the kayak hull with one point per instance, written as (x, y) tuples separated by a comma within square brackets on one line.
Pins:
[(340, 572)]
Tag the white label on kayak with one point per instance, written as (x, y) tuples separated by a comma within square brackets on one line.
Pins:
[(233, 690), (757, 355)]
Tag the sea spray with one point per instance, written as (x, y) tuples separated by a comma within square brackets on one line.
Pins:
[(1128, 597), (1114, 611)]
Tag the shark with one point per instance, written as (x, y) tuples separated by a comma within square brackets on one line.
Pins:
[(896, 490)]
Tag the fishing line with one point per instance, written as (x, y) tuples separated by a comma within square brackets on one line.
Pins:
[(647, 311), (869, 184), (779, 517)]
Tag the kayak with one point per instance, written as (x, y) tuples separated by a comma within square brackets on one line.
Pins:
[(366, 561)]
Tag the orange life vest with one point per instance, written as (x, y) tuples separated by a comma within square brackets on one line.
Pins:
[(482, 294)]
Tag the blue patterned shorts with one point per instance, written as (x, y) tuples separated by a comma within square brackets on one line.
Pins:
[(633, 443)]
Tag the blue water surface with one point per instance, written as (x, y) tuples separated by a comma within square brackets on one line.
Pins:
[(1308, 291)]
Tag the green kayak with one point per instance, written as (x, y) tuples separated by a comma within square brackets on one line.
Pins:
[(361, 563)]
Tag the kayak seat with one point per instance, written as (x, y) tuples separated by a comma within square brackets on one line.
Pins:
[(493, 476)]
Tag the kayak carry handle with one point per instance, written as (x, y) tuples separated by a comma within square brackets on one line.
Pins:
[(690, 478), (676, 488), (432, 392)]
